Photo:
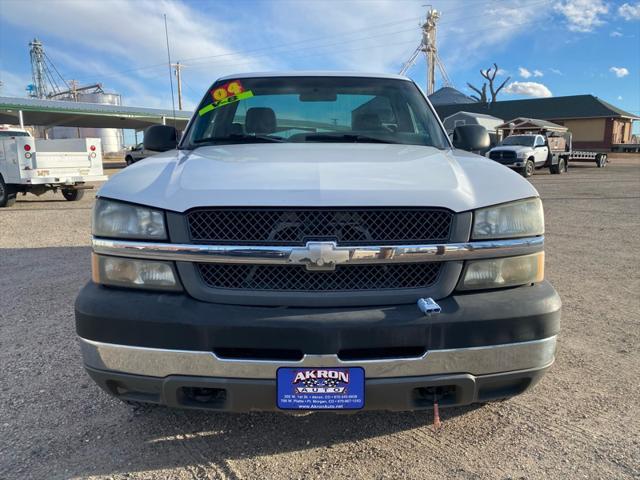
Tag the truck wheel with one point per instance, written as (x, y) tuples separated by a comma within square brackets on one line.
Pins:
[(72, 195), (560, 167), (7, 195), (528, 169), (601, 160), (128, 160)]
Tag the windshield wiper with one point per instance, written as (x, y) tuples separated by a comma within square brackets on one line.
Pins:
[(345, 137), (239, 137)]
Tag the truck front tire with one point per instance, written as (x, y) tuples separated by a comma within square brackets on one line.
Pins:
[(72, 195), (528, 169), (7, 194)]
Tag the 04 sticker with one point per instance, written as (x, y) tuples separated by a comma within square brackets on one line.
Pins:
[(230, 92)]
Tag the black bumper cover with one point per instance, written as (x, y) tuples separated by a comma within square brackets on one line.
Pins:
[(245, 395), (177, 321)]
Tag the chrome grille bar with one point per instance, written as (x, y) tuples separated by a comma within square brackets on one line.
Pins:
[(337, 255)]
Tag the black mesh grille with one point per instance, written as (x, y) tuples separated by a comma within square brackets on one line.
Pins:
[(298, 278), (297, 226), (502, 155)]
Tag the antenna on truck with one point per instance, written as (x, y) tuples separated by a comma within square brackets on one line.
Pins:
[(173, 101)]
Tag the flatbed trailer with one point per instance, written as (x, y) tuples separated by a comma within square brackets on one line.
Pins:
[(599, 158)]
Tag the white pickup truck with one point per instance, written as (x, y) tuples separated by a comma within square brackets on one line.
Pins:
[(36, 166), (316, 242), (524, 153)]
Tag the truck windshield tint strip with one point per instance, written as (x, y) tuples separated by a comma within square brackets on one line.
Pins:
[(297, 226)]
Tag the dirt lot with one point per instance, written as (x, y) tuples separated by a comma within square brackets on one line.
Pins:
[(581, 421)]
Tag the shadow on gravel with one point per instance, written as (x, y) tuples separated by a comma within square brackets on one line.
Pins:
[(167, 439)]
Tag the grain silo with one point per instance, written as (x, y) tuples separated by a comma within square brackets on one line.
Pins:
[(112, 138)]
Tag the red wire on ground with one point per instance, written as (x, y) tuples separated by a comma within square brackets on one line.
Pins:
[(437, 424)]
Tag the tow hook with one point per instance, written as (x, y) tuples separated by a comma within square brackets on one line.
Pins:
[(428, 306)]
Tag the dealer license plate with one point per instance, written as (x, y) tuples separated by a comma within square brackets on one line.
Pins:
[(316, 388)]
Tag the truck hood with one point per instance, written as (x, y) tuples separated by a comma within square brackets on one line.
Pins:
[(316, 174)]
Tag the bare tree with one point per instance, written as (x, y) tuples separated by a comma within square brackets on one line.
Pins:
[(482, 93), (490, 75)]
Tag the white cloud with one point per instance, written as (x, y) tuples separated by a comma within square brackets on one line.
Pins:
[(502, 71), (128, 55), (629, 11), (619, 97), (582, 15), (348, 43), (556, 71), (615, 33), (113, 36), (13, 85), (619, 71), (523, 72), (386, 48), (526, 73), (529, 89)]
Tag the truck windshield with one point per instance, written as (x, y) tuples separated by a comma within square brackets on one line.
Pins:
[(524, 140), (314, 109), (8, 133)]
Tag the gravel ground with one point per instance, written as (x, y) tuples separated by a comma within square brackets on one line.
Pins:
[(581, 421)]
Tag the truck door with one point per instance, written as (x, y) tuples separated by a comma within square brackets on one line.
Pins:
[(541, 150), (9, 166)]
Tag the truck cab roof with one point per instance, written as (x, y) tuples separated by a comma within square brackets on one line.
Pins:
[(314, 73), (9, 131)]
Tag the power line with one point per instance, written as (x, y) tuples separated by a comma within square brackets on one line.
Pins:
[(344, 50), (285, 48), (242, 52), (317, 46)]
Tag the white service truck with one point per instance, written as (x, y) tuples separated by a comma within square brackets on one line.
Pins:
[(36, 166)]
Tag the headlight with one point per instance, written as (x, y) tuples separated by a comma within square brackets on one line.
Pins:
[(130, 273), (122, 220), (523, 218), (503, 272), (522, 155)]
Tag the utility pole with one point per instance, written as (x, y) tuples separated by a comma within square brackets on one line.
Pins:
[(429, 47), (178, 70)]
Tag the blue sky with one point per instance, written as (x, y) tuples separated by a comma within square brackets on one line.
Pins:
[(547, 47)]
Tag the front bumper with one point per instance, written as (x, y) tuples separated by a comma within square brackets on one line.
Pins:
[(63, 179), (244, 395), (158, 347)]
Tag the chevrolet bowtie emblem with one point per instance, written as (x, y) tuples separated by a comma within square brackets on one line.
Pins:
[(319, 256)]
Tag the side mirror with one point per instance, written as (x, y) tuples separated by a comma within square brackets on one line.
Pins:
[(471, 138), (160, 138)]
